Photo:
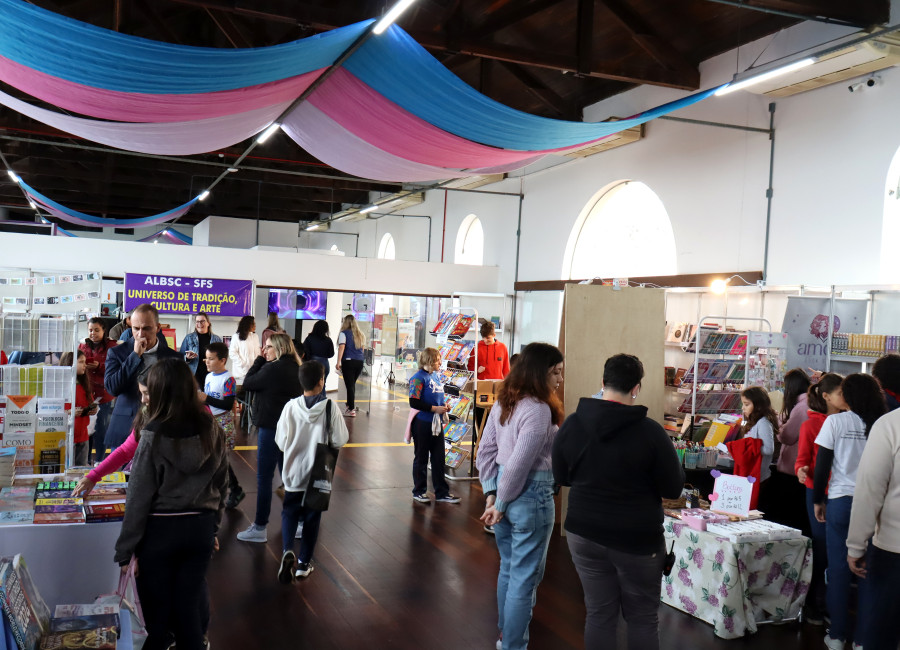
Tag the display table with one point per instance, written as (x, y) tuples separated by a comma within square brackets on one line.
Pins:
[(733, 586), (70, 563)]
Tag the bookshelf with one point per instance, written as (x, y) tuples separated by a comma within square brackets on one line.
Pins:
[(454, 333)]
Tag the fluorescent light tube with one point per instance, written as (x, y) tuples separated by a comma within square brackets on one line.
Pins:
[(765, 76), (368, 209), (392, 15), (312, 227), (203, 195), (268, 133), (13, 176)]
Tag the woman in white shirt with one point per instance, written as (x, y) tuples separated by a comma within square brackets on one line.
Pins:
[(760, 421), (840, 446), (244, 349)]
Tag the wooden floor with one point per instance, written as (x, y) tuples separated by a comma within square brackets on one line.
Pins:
[(393, 573)]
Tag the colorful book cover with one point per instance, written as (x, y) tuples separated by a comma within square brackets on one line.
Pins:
[(455, 431), (740, 346), (84, 622), (454, 457), (115, 477), (66, 501), (104, 510), (462, 325), (101, 638), (16, 517), (59, 517), (26, 611), (461, 407), (86, 609)]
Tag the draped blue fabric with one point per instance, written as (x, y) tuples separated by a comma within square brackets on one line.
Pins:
[(400, 69), (106, 222), (101, 58)]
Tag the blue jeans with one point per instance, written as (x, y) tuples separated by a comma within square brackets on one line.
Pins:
[(837, 524), (523, 536), (103, 415), (292, 513), (268, 456), (820, 557)]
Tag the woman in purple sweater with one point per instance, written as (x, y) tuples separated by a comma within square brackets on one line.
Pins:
[(515, 470)]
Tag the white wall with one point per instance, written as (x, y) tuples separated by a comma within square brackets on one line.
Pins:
[(832, 156)]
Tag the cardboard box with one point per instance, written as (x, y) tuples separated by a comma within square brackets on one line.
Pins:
[(484, 392)]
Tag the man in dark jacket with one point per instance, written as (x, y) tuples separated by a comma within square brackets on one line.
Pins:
[(620, 464), (127, 364)]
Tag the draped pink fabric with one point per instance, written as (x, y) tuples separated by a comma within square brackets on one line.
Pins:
[(171, 138), (139, 107), (334, 145), (375, 119), (59, 214)]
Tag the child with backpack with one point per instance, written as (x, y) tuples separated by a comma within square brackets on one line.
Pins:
[(305, 422)]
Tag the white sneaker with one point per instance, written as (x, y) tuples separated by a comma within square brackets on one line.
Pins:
[(834, 644), (299, 532), (499, 645), (253, 533)]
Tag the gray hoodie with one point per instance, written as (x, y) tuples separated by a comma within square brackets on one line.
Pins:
[(172, 473)]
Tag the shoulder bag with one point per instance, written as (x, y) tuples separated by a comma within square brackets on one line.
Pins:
[(318, 490)]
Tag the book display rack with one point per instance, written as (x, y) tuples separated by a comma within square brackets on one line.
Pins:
[(455, 335)]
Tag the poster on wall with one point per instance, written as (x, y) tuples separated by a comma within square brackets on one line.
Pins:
[(808, 332), (184, 295)]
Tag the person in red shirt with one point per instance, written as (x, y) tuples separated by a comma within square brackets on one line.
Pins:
[(83, 410), (493, 358), (822, 402), (95, 347)]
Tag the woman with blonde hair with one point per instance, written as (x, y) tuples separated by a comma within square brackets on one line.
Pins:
[(351, 354), (426, 395), (275, 379)]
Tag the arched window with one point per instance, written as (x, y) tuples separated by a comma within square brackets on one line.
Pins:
[(470, 242), (890, 229), (623, 231), (386, 249)]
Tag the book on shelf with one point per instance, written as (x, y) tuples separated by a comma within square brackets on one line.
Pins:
[(73, 622), (455, 456), (74, 517), (455, 431), (103, 638), (101, 512), (676, 332), (25, 610), (86, 609), (16, 517), (462, 325), (459, 406)]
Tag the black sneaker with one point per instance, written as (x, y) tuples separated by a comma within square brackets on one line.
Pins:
[(303, 569), (421, 498), (285, 571), (450, 498), (234, 498)]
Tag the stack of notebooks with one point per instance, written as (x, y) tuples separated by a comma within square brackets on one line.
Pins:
[(452, 325)]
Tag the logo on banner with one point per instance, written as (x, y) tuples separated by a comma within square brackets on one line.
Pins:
[(819, 326)]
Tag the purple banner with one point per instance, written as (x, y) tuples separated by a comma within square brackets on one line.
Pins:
[(182, 295)]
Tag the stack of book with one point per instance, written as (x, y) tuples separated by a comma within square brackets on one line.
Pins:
[(106, 502), (25, 612), (60, 510), (457, 351), (7, 465), (452, 325), (16, 505), (83, 626)]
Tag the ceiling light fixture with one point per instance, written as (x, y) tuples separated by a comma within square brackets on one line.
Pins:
[(388, 19), (368, 209), (268, 132), (13, 176), (33, 205), (764, 76), (315, 226), (203, 195)]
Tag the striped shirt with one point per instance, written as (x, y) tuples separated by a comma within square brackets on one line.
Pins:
[(521, 446)]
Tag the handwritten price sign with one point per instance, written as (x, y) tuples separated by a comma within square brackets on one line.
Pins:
[(731, 494)]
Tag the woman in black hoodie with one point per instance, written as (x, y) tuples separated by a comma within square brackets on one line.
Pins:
[(619, 464), (275, 380)]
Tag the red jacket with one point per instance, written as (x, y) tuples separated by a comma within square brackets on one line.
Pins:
[(747, 462), (82, 421), (493, 358), (806, 446), (97, 352)]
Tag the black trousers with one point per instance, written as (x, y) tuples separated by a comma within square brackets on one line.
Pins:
[(882, 629), (425, 444), (292, 513), (351, 369), (173, 558)]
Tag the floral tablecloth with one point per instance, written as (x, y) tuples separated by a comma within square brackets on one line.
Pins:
[(732, 585)]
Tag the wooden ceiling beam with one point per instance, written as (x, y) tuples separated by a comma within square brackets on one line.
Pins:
[(541, 91), (644, 36), (510, 14), (862, 13), (585, 35), (653, 75), (228, 27), (146, 8)]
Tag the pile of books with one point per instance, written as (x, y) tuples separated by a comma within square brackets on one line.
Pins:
[(456, 378), (455, 431), (24, 611), (16, 505), (83, 626), (732, 343), (7, 465), (452, 325), (457, 351)]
